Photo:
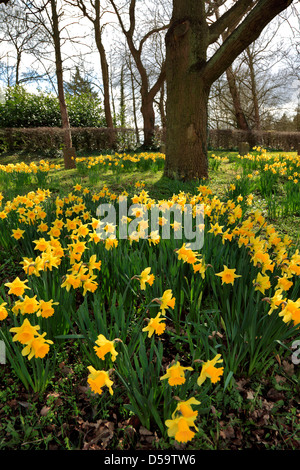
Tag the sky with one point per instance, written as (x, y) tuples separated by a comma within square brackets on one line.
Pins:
[(89, 53)]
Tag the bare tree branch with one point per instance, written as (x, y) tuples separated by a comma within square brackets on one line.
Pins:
[(247, 32), (233, 15)]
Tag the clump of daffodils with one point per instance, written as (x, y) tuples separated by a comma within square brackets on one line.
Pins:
[(35, 344), (182, 425)]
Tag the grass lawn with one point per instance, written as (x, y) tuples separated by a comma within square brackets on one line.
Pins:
[(47, 403)]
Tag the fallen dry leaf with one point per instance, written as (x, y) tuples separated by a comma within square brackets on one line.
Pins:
[(44, 410), (275, 395), (102, 430), (145, 432), (288, 368), (280, 379), (228, 432), (250, 395), (240, 384)]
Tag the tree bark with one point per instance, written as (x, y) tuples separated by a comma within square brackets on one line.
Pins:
[(187, 99), (186, 132)]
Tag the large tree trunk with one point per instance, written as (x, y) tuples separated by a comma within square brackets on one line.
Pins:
[(187, 98), (189, 74)]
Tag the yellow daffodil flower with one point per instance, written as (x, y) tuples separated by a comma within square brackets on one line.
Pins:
[(97, 379), (210, 371), (105, 346), (175, 374), (228, 275), (155, 325)]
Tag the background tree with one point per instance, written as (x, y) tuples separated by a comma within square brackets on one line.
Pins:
[(21, 108), (136, 41), (200, 91), (19, 39), (94, 13), (190, 72), (69, 161), (50, 18), (122, 99), (240, 117), (133, 95), (259, 88), (79, 85)]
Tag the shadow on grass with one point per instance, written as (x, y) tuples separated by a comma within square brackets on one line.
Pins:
[(165, 187)]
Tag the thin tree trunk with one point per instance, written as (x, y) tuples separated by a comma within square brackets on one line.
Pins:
[(104, 66), (18, 64), (69, 158), (134, 104), (147, 110), (96, 21), (105, 73), (105, 80), (238, 111), (112, 98), (253, 90), (162, 106), (147, 94), (122, 100)]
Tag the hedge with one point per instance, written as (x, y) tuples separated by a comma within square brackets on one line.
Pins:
[(270, 140), (50, 139)]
